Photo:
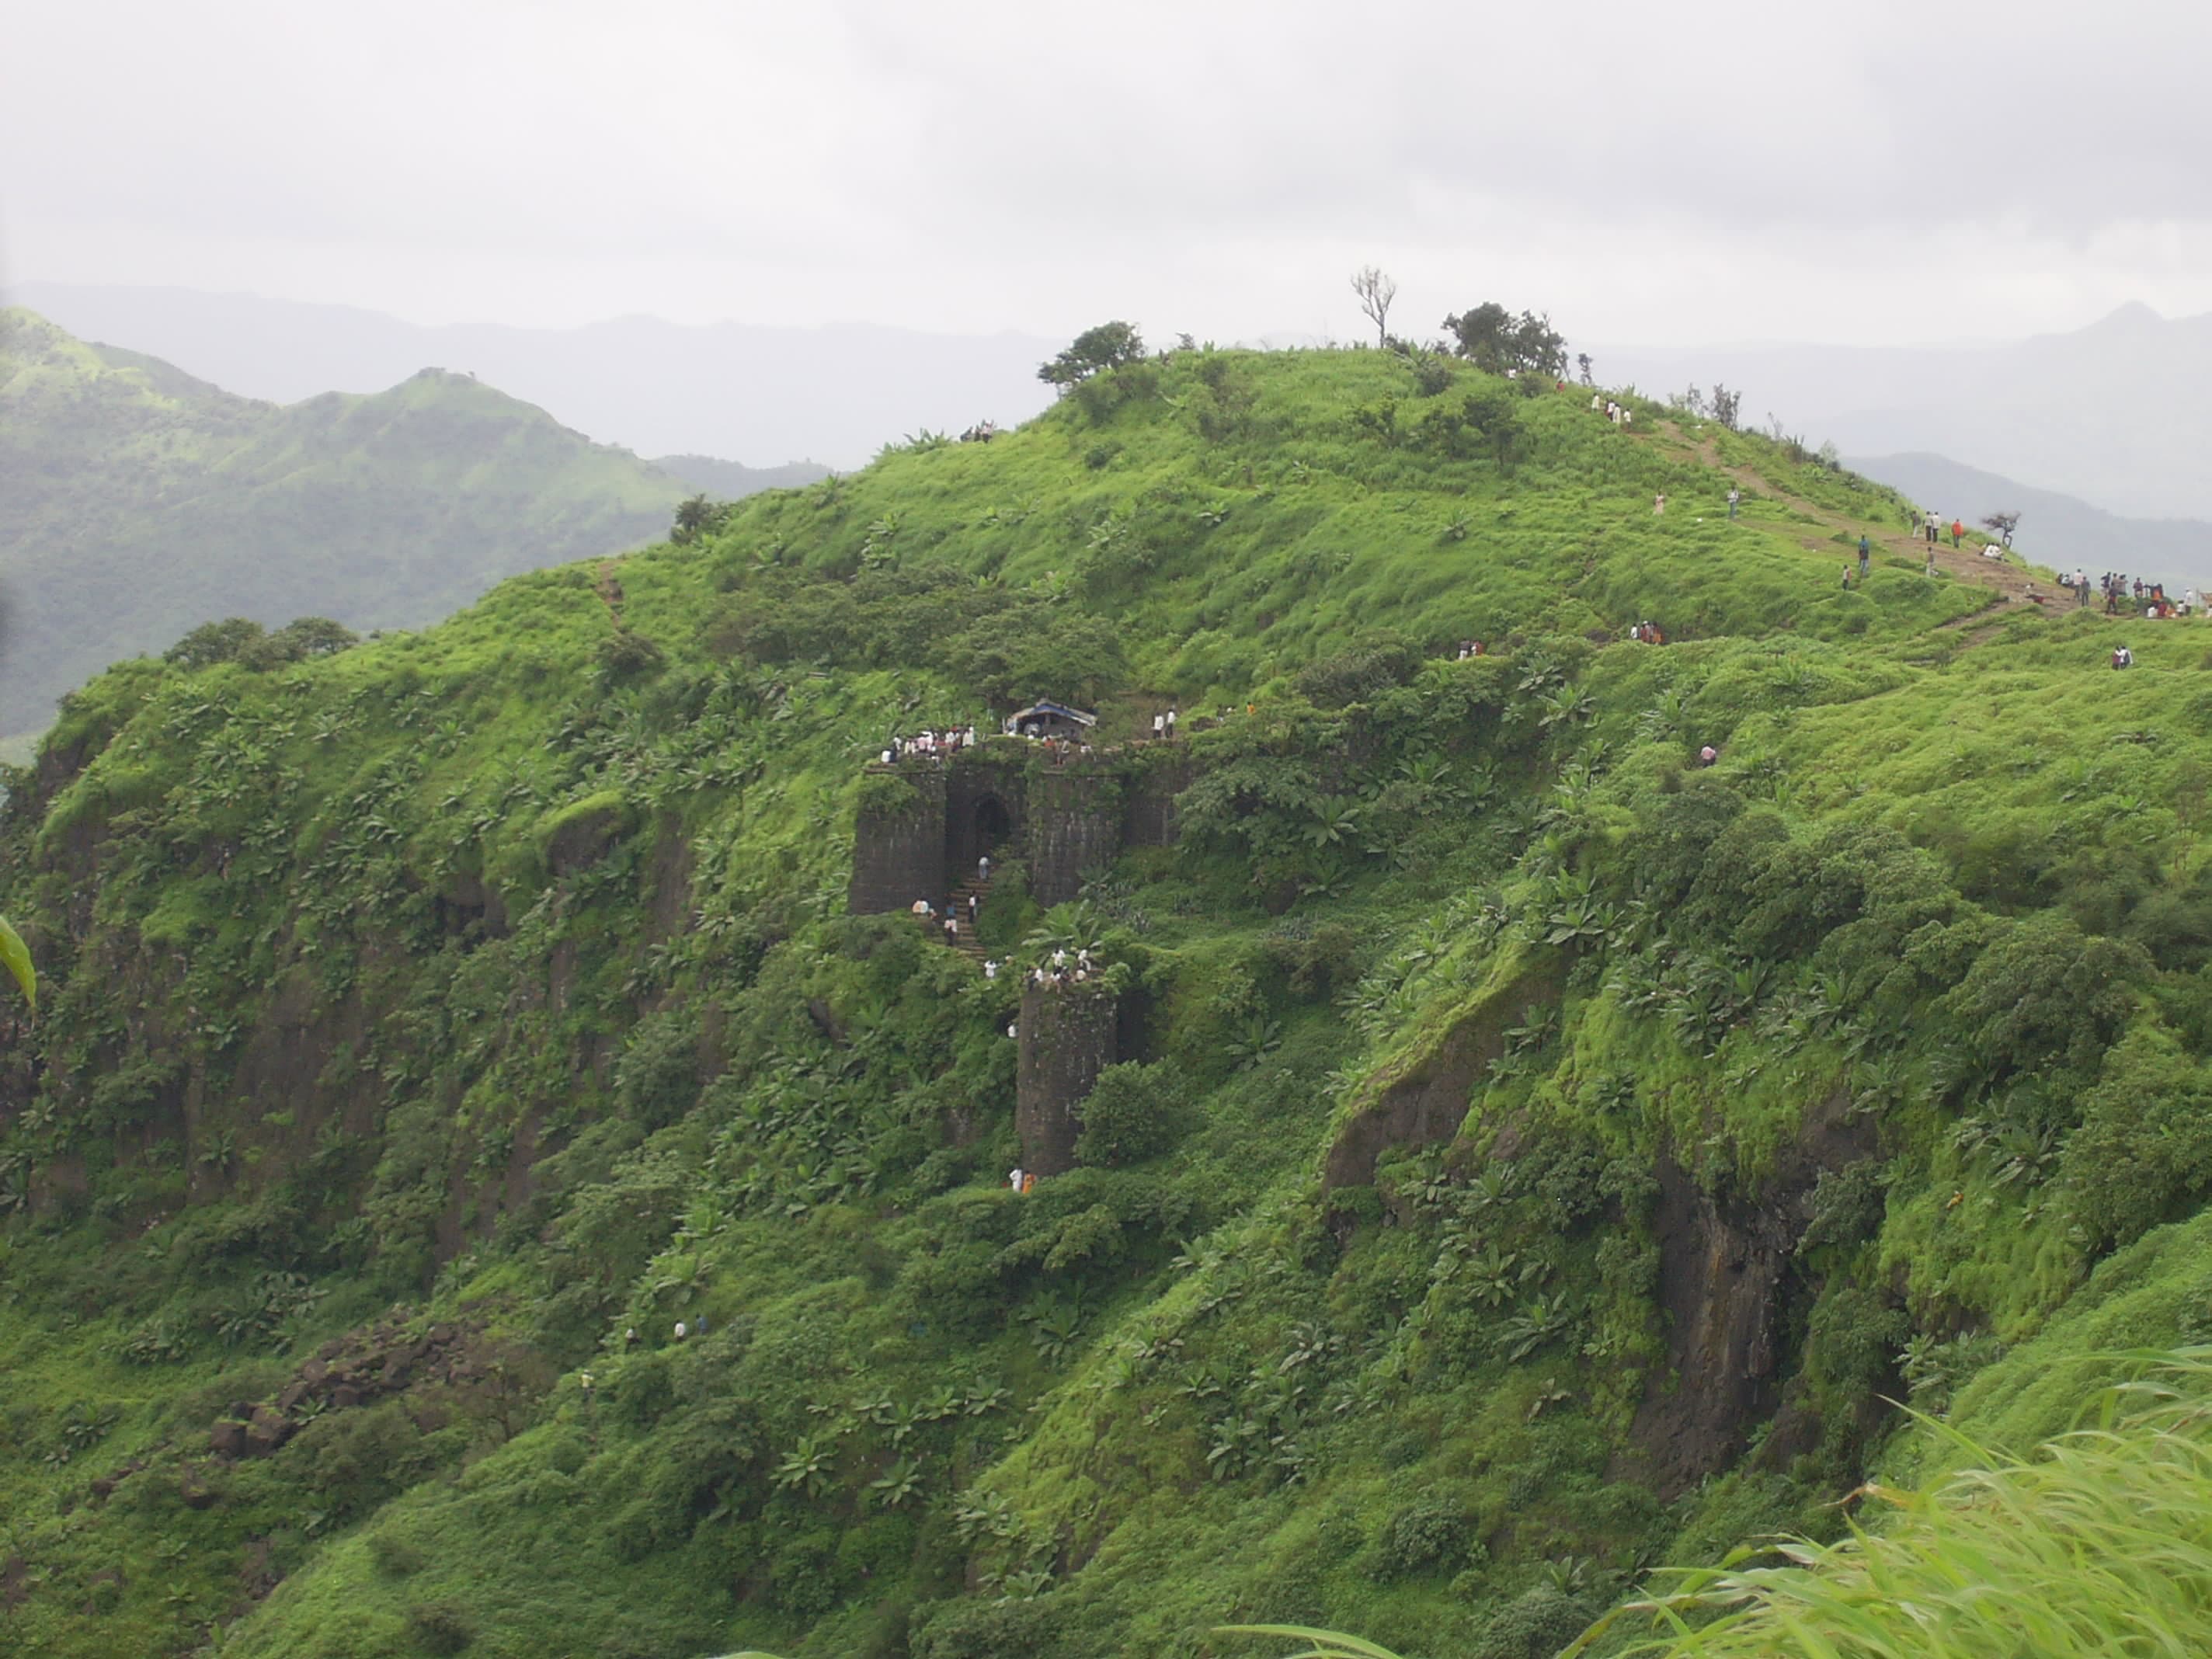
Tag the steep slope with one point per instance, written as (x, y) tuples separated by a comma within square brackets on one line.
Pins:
[(135, 501), (1488, 1151)]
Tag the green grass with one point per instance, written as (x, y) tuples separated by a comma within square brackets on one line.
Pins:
[(335, 985), (142, 502)]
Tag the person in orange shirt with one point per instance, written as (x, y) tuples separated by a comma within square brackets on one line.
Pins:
[(1958, 529)]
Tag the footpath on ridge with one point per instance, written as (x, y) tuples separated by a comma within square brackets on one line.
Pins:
[(2008, 581)]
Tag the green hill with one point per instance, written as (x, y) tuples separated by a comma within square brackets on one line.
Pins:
[(136, 502), (1489, 1154)]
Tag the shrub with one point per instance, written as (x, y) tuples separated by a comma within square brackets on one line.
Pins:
[(394, 1557), (1355, 676), (657, 1079), (1133, 1113), (440, 1627), (1421, 1536)]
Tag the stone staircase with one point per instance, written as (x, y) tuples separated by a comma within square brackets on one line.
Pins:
[(970, 946)]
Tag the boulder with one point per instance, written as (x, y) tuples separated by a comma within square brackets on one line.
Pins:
[(266, 1430), (228, 1438)]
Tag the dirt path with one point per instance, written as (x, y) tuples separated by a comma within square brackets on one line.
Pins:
[(2007, 582)]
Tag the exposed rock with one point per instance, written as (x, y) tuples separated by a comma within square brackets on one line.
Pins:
[(228, 1438), (194, 1492), (266, 1430), (1724, 1261), (1426, 1101)]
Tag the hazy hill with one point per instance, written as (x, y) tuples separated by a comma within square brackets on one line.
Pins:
[(2055, 529), (136, 500), (838, 393), (474, 1183), (727, 481), (2114, 413)]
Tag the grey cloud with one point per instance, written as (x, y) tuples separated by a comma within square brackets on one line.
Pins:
[(822, 154)]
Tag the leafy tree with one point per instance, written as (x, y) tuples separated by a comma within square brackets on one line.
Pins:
[(1726, 405), (1493, 339), (1109, 345), (1583, 364), (696, 516), (2002, 523), (215, 641), (1376, 293), (1484, 420), (297, 641)]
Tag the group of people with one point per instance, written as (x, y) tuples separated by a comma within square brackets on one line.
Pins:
[(1061, 968), (1618, 414), (1469, 648), (1933, 527), (949, 918), (929, 746), (2124, 593), (1648, 633), (1164, 726)]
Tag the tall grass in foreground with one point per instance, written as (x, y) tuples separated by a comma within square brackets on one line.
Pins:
[(2097, 1542)]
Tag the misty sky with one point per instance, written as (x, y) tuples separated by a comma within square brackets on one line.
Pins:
[(1868, 172)]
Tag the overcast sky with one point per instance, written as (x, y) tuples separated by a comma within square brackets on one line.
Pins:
[(1889, 170)]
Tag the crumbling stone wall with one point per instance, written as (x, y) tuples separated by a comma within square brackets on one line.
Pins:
[(1068, 1037), (1075, 825), (1148, 817), (1064, 817), (899, 856)]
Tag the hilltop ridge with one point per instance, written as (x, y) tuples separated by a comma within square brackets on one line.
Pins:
[(489, 1171), (135, 501)]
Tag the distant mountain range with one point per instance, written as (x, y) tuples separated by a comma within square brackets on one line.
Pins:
[(2054, 528), (137, 501), (2115, 414), (836, 394)]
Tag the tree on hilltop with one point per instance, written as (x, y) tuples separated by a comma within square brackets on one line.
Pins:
[(1376, 293), (1726, 405), (2002, 523), (696, 517), (1495, 340), (215, 641), (1109, 345)]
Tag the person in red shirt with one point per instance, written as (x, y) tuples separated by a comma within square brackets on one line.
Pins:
[(1957, 531)]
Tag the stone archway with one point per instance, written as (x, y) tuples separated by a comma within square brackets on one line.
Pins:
[(992, 825)]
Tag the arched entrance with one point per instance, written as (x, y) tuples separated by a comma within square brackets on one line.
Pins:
[(993, 825)]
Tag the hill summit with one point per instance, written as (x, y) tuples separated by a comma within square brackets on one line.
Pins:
[(135, 501), (642, 1119)]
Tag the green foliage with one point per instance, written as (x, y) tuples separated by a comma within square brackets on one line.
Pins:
[(1133, 1113), (2090, 1545), (15, 956), (1495, 341), (140, 499), (1109, 345), (497, 982)]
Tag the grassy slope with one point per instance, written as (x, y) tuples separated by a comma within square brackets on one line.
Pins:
[(135, 495), (928, 1418)]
